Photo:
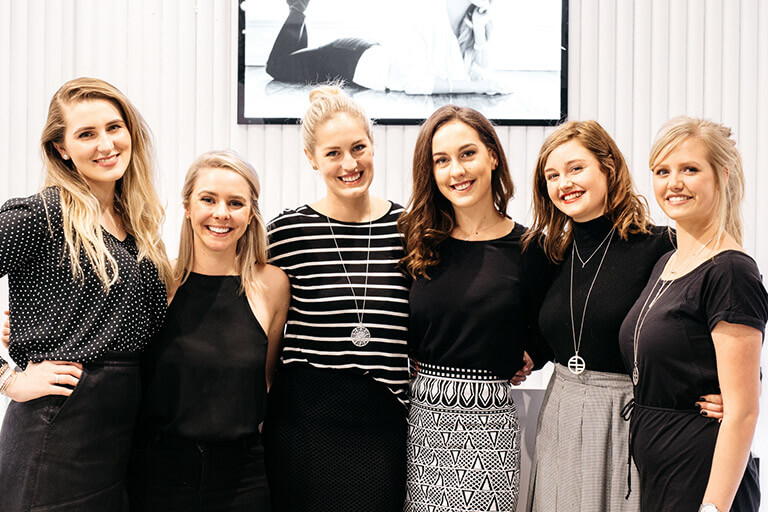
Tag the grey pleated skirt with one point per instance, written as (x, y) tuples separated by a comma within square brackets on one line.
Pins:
[(463, 442), (581, 460)]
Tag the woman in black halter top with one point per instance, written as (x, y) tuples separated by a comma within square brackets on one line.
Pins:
[(198, 444)]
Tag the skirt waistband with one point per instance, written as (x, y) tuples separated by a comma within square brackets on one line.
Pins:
[(449, 372), (593, 377)]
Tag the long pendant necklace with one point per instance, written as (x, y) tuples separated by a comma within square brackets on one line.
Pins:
[(576, 363), (584, 262), (650, 303), (360, 335)]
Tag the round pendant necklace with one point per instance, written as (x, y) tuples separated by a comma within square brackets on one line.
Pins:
[(360, 335), (650, 303), (576, 363)]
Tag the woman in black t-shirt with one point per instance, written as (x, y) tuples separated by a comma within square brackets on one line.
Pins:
[(697, 327)]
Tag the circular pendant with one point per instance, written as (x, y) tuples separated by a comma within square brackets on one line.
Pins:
[(635, 375), (576, 365), (360, 335)]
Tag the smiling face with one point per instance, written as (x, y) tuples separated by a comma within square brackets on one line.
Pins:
[(344, 156), (684, 184), (219, 210), (463, 166), (576, 184), (97, 141)]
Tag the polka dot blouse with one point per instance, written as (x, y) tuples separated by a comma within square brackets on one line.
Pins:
[(56, 317)]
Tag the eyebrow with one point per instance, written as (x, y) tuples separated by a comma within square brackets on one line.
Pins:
[(462, 148), (568, 163), (212, 193), (109, 123)]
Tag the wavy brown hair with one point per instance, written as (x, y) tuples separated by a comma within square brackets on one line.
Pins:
[(722, 155), (429, 217), (135, 200), (627, 210)]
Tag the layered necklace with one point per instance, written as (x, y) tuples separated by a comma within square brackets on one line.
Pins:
[(649, 303), (576, 363), (360, 335)]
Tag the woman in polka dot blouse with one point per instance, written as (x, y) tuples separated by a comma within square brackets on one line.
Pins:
[(87, 273)]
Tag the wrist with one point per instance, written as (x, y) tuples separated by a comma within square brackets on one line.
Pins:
[(7, 378)]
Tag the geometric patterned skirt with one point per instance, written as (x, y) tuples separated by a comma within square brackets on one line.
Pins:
[(463, 442), (582, 452)]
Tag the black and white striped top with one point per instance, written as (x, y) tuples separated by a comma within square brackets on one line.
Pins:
[(323, 311)]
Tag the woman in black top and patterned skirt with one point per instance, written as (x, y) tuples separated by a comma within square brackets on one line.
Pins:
[(206, 373), (335, 428), (697, 326), (86, 269), (473, 304)]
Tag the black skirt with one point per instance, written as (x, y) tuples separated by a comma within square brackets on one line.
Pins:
[(66, 454), (334, 441)]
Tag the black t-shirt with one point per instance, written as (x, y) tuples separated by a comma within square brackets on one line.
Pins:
[(676, 355), (624, 273), (478, 308)]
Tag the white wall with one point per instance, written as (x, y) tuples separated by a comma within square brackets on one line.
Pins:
[(632, 65)]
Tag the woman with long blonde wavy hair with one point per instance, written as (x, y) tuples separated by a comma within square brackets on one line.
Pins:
[(87, 276)]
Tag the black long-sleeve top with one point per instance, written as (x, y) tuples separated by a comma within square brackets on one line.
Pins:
[(625, 271), (53, 315), (478, 308)]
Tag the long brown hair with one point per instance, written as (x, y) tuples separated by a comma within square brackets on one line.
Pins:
[(251, 250), (627, 210), (429, 217), (722, 155), (136, 199)]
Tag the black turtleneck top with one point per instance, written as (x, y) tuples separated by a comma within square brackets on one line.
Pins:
[(624, 273)]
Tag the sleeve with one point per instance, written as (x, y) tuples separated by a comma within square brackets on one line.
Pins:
[(733, 292), (537, 277), (276, 237), (23, 231)]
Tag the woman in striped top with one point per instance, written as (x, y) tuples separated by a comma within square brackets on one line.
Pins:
[(335, 429)]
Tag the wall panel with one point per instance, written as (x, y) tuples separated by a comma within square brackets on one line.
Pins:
[(633, 64)]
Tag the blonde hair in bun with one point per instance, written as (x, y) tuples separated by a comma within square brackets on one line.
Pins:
[(327, 101)]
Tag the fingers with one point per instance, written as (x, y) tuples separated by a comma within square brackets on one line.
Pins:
[(59, 390), (711, 406), (713, 399)]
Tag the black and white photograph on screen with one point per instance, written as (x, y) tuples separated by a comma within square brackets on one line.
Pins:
[(402, 59)]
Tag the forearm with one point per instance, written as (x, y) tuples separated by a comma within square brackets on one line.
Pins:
[(729, 460)]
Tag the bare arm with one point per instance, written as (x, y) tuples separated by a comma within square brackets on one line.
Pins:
[(279, 297), (737, 349)]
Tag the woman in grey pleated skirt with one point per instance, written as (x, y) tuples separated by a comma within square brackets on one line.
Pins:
[(581, 444)]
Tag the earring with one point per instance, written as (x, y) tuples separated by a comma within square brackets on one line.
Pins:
[(65, 157)]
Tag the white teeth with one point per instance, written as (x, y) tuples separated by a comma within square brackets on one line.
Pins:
[(462, 186), (220, 231), (107, 159), (572, 195), (677, 199), (349, 178)]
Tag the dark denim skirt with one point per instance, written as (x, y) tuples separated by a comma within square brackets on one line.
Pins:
[(67, 454)]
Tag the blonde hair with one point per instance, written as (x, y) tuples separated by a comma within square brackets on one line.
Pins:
[(135, 201), (722, 155), (627, 210), (328, 101), (251, 250)]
